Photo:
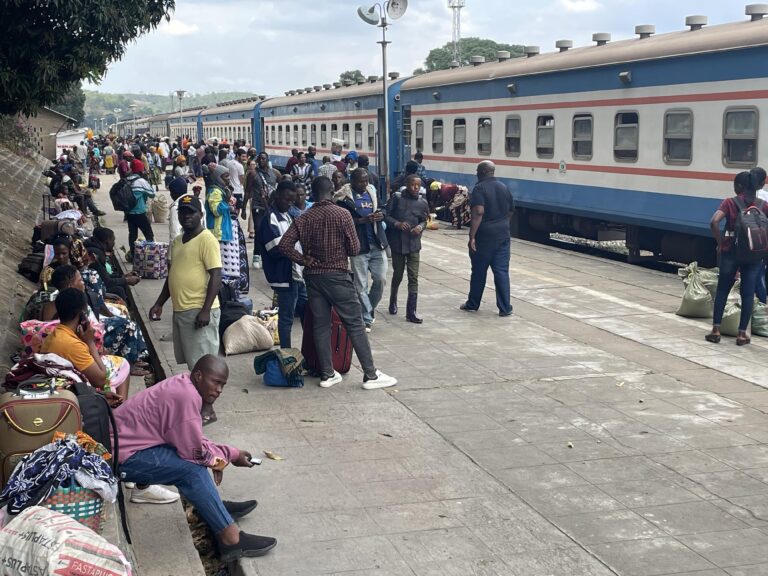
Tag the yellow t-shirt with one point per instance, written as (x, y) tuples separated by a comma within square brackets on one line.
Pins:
[(65, 343), (188, 276)]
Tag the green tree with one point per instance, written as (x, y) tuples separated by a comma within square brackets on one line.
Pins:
[(354, 75), (72, 104), (50, 46), (441, 58)]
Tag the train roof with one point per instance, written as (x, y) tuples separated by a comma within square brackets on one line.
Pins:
[(368, 88), (160, 117), (233, 106), (744, 34)]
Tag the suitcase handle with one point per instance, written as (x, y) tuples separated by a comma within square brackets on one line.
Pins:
[(18, 428)]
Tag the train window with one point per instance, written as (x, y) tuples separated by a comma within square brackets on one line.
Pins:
[(418, 135), (323, 135), (359, 136), (545, 136), (460, 136), (345, 134), (334, 131), (626, 137), (371, 136), (303, 134), (266, 134), (484, 126), (280, 134), (273, 135), (581, 146), (313, 135), (512, 136), (740, 137), (437, 136), (295, 134), (678, 137)]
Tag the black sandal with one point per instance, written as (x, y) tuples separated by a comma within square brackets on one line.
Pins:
[(743, 341), (714, 338)]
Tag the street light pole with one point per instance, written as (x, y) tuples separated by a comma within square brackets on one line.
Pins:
[(180, 94), (133, 122)]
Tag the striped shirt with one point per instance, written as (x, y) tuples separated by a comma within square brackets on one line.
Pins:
[(327, 234)]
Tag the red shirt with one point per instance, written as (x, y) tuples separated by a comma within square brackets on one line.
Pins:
[(327, 233), (731, 210)]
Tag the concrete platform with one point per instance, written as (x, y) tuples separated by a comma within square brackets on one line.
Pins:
[(592, 433)]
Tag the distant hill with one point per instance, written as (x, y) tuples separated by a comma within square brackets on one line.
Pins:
[(102, 104)]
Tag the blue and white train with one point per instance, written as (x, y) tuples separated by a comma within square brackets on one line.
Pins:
[(642, 136)]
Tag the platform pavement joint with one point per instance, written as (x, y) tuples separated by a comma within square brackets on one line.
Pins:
[(592, 433)]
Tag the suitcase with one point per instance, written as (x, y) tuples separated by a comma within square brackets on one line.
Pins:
[(28, 420), (150, 259), (341, 345)]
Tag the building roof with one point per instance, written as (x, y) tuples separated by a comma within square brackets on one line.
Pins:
[(51, 110)]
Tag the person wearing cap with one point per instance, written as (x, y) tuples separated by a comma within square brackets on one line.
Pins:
[(351, 161), (137, 217), (193, 283)]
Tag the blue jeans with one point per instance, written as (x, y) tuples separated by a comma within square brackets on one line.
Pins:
[(760, 289), (497, 257), (290, 303), (749, 276), (374, 262), (162, 465)]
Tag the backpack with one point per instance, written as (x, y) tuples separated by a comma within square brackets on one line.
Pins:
[(750, 231), (122, 196)]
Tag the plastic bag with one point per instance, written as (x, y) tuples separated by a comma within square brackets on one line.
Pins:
[(760, 319), (160, 208), (697, 299), (731, 316)]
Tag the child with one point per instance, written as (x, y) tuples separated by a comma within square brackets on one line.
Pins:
[(406, 218)]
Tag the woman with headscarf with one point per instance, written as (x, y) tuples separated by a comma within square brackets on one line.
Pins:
[(221, 220)]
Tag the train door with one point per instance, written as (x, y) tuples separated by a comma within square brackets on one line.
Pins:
[(404, 146)]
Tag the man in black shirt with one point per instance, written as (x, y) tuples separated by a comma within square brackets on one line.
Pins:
[(489, 244)]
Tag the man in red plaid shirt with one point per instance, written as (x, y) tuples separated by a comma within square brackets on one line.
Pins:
[(328, 238)]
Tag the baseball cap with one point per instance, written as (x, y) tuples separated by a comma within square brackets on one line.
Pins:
[(190, 203)]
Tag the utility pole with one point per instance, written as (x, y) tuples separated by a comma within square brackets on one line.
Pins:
[(456, 6)]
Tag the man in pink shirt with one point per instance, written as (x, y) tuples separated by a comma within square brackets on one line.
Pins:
[(162, 442)]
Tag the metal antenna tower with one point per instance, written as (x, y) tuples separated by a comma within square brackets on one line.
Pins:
[(456, 6)]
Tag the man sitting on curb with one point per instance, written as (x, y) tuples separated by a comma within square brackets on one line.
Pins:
[(162, 442)]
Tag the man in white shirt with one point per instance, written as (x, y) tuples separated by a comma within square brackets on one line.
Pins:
[(237, 175)]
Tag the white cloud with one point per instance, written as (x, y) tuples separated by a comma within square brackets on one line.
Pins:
[(178, 28), (581, 5)]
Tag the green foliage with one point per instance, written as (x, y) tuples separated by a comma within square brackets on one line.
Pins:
[(353, 75), (72, 104), (16, 135), (102, 104), (50, 46), (441, 58)]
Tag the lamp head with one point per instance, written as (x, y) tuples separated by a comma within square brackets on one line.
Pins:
[(396, 8), (369, 15)]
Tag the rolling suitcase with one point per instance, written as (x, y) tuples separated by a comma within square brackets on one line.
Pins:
[(28, 419), (341, 345)]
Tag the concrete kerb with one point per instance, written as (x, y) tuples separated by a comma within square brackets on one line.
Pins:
[(161, 538)]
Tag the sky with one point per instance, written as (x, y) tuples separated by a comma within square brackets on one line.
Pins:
[(270, 46)]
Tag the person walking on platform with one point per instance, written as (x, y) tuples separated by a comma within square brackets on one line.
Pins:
[(137, 217), (489, 238), (746, 186), (360, 199), (328, 238), (193, 283), (406, 218)]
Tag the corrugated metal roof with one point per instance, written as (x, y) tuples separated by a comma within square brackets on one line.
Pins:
[(354, 91), (709, 39)]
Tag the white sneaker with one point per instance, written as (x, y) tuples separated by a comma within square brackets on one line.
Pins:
[(153, 494), (256, 261), (381, 381), (129, 485), (368, 328), (328, 382)]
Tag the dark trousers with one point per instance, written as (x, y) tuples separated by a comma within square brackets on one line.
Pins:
[(258, 216), (401, 263), (138, 222), (290, 303), (749, 277), (495, 256), (336, 289)]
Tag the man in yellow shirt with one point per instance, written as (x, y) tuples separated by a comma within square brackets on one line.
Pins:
[(192, 285)]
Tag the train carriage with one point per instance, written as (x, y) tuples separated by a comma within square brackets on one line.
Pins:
[(190, 123), (643, 136), (230, 120), (317, 115)]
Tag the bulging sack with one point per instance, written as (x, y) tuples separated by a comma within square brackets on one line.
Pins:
[(760, 319), (697, 299), (731, 316), (247, 334)]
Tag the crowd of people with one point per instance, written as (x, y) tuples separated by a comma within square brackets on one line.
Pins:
[(323, 230)]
